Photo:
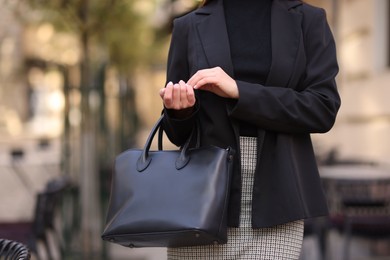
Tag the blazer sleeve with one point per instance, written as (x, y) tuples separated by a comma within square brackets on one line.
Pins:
[(310, 107), (176, 129)]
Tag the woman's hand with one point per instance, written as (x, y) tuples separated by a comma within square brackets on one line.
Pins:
[(179, 96), (215, 80)]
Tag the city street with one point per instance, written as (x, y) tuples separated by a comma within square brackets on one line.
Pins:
[(33, 164)]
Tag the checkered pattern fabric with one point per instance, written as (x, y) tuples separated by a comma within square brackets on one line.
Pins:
[(281, 242)]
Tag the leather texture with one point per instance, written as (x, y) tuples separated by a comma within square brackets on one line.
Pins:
[(169, 198)]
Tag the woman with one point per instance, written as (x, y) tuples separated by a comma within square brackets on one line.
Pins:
[(259, 76)]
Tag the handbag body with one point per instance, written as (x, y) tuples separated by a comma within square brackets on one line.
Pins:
[(169, 198)]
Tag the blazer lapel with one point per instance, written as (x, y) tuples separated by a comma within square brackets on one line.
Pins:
[(214, 37), (285, 37)]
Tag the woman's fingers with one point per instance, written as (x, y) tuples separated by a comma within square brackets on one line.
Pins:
[(215, 80), (183, 94), (177, 96), (168, 95), (187, 96), (190, 95), (200, 77), (162, 92)]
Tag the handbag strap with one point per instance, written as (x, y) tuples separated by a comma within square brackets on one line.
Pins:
[(161, 133), (144, 160)]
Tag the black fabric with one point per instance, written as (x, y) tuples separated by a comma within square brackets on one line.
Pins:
[(299, 97), (249, 30), (248, 26)]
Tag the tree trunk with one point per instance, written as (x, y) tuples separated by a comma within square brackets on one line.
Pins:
[(89, 174)]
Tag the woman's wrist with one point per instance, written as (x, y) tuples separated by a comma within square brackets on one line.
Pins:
[(180, 114)]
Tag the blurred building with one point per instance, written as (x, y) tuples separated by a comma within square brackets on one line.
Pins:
[(12, 86), (361, 29), (31, 111)]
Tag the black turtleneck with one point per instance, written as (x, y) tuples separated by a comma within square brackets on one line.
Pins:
[(248, 25)]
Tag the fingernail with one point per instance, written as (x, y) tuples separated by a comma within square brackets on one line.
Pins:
[(170, 83)]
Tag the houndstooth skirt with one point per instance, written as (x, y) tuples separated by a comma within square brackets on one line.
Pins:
[(281, 242)]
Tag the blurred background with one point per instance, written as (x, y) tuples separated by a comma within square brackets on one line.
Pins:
[(79, 83)]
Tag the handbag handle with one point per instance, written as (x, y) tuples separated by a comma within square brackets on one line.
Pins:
[(160, 136), (144, 160)]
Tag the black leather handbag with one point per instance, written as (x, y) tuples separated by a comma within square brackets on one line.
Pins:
[(169, 198)]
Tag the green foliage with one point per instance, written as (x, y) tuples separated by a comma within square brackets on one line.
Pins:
[(126, 35), (114, 29)]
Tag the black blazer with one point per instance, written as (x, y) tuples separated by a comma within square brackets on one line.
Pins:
[(299, 98)]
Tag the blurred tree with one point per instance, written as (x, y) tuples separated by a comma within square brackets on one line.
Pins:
[(114, 32), (111, 33)]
